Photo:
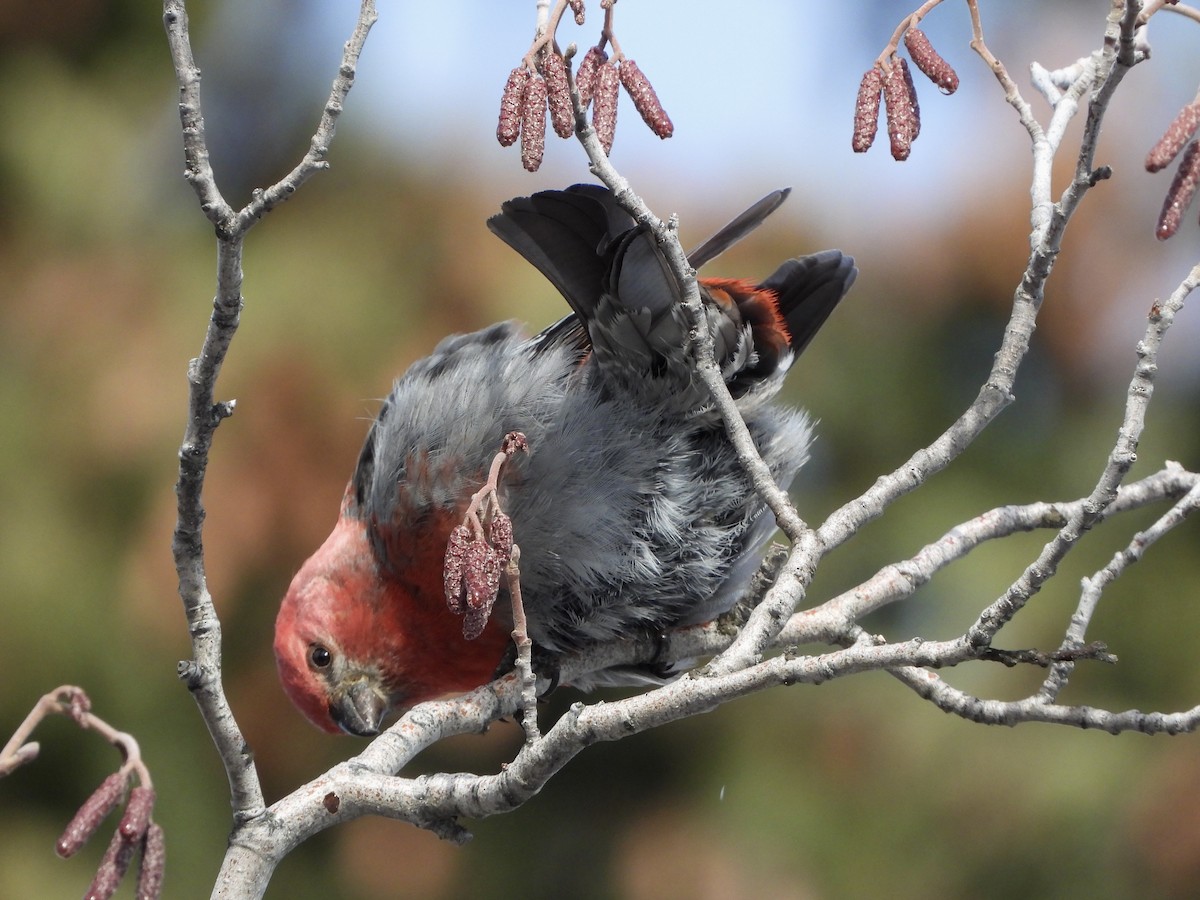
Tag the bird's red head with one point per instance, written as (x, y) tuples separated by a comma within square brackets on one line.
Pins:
[(329, 612), (354, 643)]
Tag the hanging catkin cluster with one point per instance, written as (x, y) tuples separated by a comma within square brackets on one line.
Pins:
[(542, 82), (894, 84)]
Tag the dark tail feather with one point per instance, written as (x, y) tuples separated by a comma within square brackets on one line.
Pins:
[(613, 274), (737, 229), (565, 235), (808, 289)]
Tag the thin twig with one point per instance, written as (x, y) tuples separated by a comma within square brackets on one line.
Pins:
[(1137, 403), (520, 636), (901, 580), (912, 20), (73, 703)]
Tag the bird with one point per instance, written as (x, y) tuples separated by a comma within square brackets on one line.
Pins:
[(630, 507)]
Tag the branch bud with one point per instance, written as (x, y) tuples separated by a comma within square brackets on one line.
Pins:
[(866, 110), (930, 62), (638, 86), (514, 442), (509, 127), (78, 705)]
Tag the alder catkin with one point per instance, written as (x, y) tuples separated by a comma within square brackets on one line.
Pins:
[(454, 566), (154, 859), (500, 535), (113, 866), (912, 98), (866, 110), (902, 115), (558, 94), (95, 809), (604, 105), (481, 577), (645, 100), (136, 819), (1179, 196), (930, 62), (508, 129), (585, 75), (533, 124), (1178, 133)]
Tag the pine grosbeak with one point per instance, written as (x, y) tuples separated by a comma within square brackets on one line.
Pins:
[(630, 508)]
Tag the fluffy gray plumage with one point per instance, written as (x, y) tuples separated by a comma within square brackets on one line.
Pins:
[(631, 509)]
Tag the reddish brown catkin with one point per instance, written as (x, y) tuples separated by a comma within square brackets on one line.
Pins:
[(474, 624), (645, 100), (509, 127), (481, 575), (1179, 197), (901, 115), (500, 535), (113, 866), (154, 858), (136, 819), (533, 124), (577, 8), (585, 76), (482, 578), (604, 105), (558, 94), (1178, 133), (454, 566), (866, 110), (930, 62), (912, 98), (95, 810)]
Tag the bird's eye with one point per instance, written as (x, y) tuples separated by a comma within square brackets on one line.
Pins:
[(319, 657)]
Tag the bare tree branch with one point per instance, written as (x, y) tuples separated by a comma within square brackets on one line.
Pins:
[(203, 673)]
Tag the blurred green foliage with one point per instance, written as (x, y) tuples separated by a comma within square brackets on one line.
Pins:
[(853, 789)]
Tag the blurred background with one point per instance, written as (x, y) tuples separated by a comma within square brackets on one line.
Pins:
[(855, 789)]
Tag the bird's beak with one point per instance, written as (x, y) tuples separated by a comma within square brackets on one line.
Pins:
[(360, 707)]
